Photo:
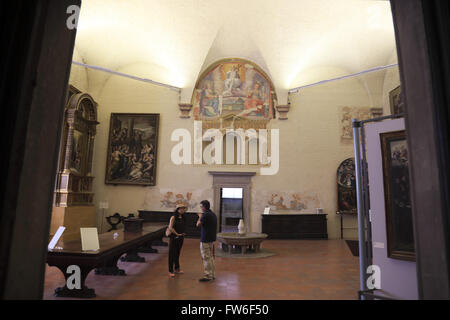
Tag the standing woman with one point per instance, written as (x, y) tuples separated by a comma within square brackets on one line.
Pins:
[(177, 226)]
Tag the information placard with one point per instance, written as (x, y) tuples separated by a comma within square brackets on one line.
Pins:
[(89, 239), (56, 237)]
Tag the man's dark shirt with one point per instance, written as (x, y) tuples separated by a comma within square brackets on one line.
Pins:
[(209, 226)]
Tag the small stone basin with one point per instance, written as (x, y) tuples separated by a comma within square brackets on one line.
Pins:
[(247, 242)]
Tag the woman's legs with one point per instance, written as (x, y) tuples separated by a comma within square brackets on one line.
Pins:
[(179, 245), (172, 253), (175, 245)]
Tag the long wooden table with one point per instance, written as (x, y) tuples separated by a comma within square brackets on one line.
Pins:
[(105, 259)]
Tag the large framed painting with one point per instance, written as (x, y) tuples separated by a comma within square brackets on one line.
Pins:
[(399, 224), (132, 149), (346, 187), (395, 102)]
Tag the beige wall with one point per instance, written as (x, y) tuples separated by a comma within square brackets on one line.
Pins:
[(78, 75), (310, 146)]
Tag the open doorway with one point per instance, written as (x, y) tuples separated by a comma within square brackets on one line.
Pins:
[(231, 208)]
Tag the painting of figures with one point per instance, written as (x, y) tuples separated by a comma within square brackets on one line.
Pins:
[(399, 224), (132, 149), (396, 105), (346, 186), (233, 87)]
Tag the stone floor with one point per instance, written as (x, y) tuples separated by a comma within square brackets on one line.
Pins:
[(301, 269)]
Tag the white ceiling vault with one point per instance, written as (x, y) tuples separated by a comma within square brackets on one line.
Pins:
[(297, 42)]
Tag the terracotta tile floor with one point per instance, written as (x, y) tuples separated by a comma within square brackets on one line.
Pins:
[(301, 269)]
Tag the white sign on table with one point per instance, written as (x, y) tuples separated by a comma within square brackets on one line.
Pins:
[(56, 237), (89, 239)]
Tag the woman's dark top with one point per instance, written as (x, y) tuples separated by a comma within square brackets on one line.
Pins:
[(179, 224)]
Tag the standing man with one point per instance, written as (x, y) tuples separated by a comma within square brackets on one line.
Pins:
[(207, 220)]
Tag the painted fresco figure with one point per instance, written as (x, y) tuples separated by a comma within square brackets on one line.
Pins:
[(254, 99), (233, 81), (209, 102)]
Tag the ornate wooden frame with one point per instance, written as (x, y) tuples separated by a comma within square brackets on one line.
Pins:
[(74, 177)]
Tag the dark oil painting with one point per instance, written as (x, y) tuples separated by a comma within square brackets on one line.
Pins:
[(399, 224), (132, 149)]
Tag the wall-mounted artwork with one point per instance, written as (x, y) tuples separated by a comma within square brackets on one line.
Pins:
[(396, 104), (399, 224), (347, 114), (173, 199), (293, 201), (132, 149), (233, 87), (166, 199), (346, 186)]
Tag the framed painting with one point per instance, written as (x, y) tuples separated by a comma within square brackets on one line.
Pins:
[(346, 187), (399, 224), (132, 149), (395, 103)]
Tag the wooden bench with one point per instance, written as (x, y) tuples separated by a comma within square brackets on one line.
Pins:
[(105, 259)]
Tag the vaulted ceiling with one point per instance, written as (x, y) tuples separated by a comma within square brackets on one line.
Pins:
[(296, 42)]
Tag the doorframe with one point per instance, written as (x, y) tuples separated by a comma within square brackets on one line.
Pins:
[(227, 179)]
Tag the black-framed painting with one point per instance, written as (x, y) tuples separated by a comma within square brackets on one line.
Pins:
[(399, 224), (395, 102), (132, 149), (346, 186)]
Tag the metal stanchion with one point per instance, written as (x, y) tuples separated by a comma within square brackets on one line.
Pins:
[(361, 216)]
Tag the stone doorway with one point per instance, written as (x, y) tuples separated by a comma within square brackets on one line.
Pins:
[(224, 179)]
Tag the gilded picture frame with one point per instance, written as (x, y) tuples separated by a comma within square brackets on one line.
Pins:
[(394, 101)]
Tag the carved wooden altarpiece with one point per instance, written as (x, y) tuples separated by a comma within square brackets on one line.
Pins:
[(74, 179), (73, 205)]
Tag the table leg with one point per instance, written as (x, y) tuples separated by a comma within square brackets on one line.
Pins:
[(83, 292), (132, 256), (159, 242), (147, 248), (109, 268)]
